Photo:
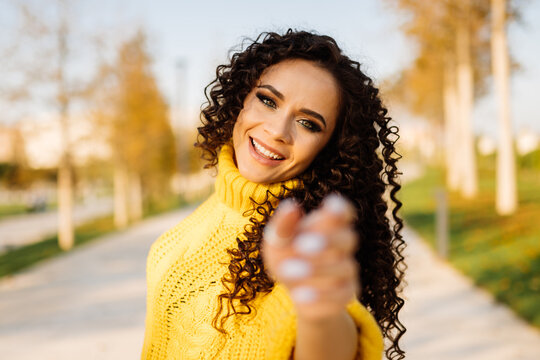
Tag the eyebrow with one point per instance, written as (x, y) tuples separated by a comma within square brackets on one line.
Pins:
[(302, 110)]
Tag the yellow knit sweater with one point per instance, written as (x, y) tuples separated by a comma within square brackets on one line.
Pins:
[(184, 270)]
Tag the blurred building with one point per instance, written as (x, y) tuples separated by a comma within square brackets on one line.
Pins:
[(417, 136), (486, 145), (11, 145), (42, 140), (527, 141)]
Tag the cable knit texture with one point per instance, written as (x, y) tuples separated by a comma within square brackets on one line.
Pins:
[(184, 270)]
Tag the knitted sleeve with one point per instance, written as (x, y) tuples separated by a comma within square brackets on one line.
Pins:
[(370, 340)]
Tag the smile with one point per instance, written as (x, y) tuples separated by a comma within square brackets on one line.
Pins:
[(261, 150)]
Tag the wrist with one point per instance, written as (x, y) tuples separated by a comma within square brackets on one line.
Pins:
[(328, 337)]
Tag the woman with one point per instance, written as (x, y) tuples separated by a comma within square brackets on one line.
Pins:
[(290, 121)]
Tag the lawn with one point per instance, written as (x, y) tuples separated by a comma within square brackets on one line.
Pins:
[(20, 258), (25, 256), (11, 209), (500, 253), (8, 210)]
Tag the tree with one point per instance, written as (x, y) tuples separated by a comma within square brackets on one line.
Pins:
[(465, 93), (41, 54), (65, 167), (506, 193), (448, 73), (131, 108)]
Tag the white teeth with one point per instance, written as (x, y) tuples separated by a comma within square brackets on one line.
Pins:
[(264, 151)]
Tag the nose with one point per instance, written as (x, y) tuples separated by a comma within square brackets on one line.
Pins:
[(280, 128)]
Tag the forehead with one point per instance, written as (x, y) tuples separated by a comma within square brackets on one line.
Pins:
[(305, 82)]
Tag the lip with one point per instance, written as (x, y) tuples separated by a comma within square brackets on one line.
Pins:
[(264, 160)]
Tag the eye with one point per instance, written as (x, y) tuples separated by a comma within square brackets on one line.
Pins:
[(266, 100), (310, 125)]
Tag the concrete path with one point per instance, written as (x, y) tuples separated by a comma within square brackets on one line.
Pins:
[(448, 318), (25, 229), (90, 304), (87, 304)]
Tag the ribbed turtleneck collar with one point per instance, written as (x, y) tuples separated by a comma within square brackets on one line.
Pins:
[(235, 190)]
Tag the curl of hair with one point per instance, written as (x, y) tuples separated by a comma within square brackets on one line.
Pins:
[(358, 162)]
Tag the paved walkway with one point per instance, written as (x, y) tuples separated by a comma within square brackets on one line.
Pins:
[(449, 319), (90, 304), (25, 229), (86, 304)]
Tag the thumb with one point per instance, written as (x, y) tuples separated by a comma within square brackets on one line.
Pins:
[(281, 228)]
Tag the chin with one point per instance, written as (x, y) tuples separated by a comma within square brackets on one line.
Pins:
[(256, 178)]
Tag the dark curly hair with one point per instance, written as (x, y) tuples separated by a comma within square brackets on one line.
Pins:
[(359, 162)]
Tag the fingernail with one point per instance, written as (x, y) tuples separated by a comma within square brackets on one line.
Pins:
[(271, 236), (294, 269), (335, 204), (309, 243), (303, 294), (286, 205)]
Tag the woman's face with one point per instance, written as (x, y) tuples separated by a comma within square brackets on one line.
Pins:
[(287, 118)]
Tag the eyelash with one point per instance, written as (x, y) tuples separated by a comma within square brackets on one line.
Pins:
[(264, 100), (309, 125)]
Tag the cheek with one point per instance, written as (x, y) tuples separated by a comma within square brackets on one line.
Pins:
[(243, 122), (308, 150), (237, 129)]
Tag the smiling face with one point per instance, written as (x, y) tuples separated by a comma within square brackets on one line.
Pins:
[(286, 120)]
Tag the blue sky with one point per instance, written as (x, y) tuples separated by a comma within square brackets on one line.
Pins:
[(200, 33), (203, 32)]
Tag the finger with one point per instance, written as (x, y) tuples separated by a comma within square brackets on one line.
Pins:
[(293, 269), (344, 240), (336, 272), (337, 295), (338, 206), (281, 228), (310, 243), (297, 270), (334, 211)]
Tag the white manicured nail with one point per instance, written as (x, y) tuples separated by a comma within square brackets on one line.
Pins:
[(286, 205), (271, 236), (309, 243), (335, 204), (303, 294), (294, 268)]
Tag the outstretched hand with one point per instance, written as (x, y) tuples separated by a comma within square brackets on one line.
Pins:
[(313, 255)]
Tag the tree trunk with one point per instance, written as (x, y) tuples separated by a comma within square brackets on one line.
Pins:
[(506, 189), (128, 203), (451, 136), (65, 205), (65, 171), (135, 197), (465, 88), (120, 196)]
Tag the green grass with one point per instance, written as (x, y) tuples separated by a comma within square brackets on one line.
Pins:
[(500, 253), (7, 210), (11, 209), (159, 206), (22, 257)]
